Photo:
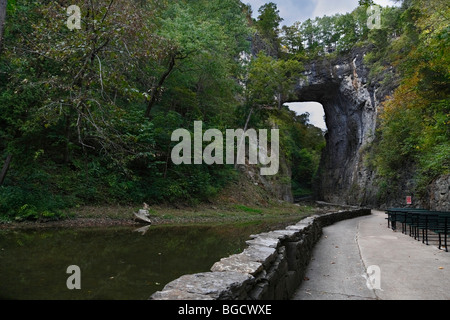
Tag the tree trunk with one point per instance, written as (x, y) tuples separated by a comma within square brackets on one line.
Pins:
[(5, 169), (3, 4), (243, 137), (156, 89), (248, 119), (67, 139)]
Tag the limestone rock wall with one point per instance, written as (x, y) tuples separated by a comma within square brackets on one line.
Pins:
[(352, 105), (439, 194)]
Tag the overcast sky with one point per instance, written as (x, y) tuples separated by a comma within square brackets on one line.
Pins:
[(300, 10)]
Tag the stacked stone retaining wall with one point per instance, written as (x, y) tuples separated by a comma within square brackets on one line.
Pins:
[(272, 267)]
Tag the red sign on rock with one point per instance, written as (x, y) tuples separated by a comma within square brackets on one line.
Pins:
[(408, 200)]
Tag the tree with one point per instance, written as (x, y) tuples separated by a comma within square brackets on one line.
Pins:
[(268, 25), (269, 20), (366, 3), (89, 112), (415, 122), (5, 168), (87, 68), (346, 26), (326, 27), (311, 36), (292, 39), (271, 80)]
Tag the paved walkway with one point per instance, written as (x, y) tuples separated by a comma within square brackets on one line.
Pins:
[(408, 269)]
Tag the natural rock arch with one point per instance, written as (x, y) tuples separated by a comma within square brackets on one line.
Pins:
[(351, 107)]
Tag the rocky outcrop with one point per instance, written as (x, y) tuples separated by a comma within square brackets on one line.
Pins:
[(351, 106), (352, 101), (439, 194), (275, 187)]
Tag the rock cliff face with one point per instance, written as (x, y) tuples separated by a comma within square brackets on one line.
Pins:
[(439, 194), (351, 107)]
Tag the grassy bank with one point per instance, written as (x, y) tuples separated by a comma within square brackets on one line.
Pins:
[(97, 216)]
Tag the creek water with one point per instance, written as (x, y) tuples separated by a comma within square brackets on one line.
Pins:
[(116, 263)]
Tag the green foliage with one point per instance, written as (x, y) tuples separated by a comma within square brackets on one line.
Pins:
[(366, 3), (271, 80), (27, 203), (415, 130), (325, 35), (247, 209), (269, 19), (73, 103), (410, 51), (87, 115), (302, 144), (340, 33), (268, 24)]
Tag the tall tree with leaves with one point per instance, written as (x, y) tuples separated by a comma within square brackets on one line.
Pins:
[(366, 3), (268, 25), (87, 69), (291, 40), (271, 80)]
